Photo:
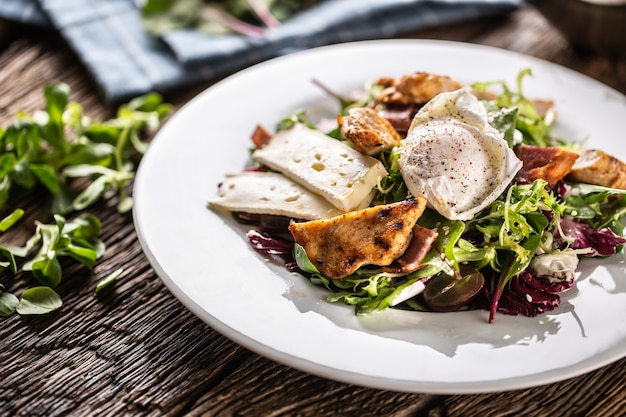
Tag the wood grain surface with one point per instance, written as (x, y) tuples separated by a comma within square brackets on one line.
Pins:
[(136, 351)]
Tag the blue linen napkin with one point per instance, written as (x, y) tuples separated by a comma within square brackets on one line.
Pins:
[(125, 61), (25, 11)]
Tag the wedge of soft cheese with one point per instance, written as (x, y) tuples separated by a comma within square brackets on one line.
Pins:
[(342, 175), (271, 193)]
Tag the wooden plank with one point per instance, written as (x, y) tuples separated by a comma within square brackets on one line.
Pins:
[(136, 351)]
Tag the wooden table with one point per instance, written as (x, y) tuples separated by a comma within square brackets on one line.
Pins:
[(137, 351)]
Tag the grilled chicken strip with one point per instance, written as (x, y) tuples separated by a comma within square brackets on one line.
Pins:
[(599, 168), (417, 88), (367, 131), (372, 236)]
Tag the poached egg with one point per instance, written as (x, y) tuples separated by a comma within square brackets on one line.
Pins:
[(454, 158)]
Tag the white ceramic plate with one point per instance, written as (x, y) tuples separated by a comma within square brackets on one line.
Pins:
[(206, 262)]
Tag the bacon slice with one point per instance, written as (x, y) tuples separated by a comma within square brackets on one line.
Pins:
[(547, 163), (372, 236), (260, 136), (367, 131), (412, 258), (599, 168), (417, 88), (400, 117)]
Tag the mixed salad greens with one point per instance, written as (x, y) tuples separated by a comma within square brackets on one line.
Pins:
[(515, 256)]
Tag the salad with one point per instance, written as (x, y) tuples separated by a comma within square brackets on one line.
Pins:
[(430, 195)]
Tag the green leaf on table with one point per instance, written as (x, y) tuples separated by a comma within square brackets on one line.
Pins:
[(86, 255), (125, 204), (47, 176), (7, 162), (77, 239), (88, 152), (23, 176), (5, 189), (41, 154), (42, 148), (74, 118), (56, 95), (11, 219), (7, 256), (61, 202), (106, 282), (8, 302), (38, 300), (47, 270), (85, 227), (91, 194), (10, 260)]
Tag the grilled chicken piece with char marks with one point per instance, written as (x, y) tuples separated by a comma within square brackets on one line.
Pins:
[(372, 236), (367, 131)]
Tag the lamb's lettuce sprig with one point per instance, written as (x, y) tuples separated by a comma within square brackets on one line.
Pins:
[(7, 256), (77, 239), (45, 149), (41, 154)]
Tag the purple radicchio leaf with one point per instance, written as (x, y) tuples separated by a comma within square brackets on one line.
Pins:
[(603, 242), (535, 301), (525, 295), (546, 286), (273, 248)]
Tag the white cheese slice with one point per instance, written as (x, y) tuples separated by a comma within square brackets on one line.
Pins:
[(270, 193), (344, 176)]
